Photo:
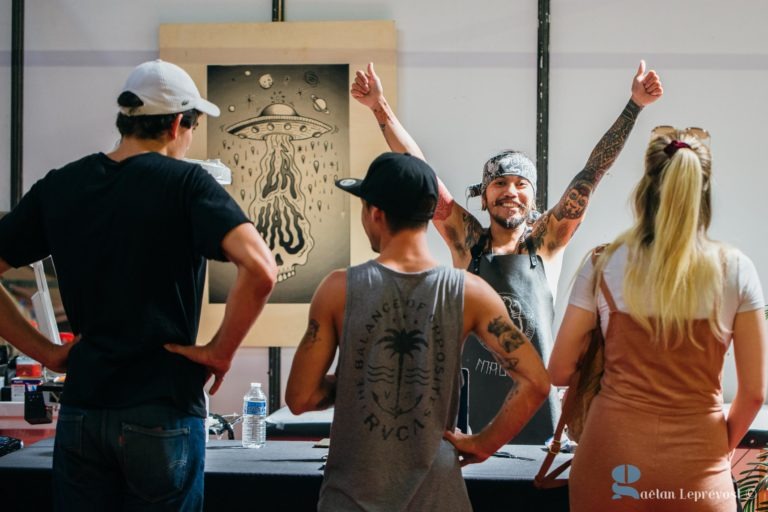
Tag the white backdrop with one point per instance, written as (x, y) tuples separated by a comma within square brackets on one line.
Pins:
[(467, 88)]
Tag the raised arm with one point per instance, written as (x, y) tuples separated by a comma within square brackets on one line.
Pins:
[(554, 229), (486, 316), (256, 276), (310, 387), (459, 228)]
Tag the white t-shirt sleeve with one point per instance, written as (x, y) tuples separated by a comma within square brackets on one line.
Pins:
[(750, 290), (583, 294)]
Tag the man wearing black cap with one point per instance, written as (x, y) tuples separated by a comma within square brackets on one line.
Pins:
[(129, 233), (513, 253), (398, 323)]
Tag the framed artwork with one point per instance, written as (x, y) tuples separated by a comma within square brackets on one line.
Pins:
[(288, 128)]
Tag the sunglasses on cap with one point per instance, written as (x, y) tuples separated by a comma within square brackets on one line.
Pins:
[(700, 134)]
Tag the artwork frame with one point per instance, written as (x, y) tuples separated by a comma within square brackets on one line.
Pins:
[(194, 47)]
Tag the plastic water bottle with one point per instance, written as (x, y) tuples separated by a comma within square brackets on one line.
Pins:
[(254, 417)]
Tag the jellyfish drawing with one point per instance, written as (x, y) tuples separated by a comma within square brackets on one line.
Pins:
[(279, 206)]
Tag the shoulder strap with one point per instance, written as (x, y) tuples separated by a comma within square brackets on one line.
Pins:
[(531, 251), (543, 480), (477, 252), (596, 252)]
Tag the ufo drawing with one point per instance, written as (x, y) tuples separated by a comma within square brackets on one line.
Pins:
[(279, 118), (279, 205)]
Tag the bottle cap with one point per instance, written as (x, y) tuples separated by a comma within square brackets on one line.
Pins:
[(255, 384)]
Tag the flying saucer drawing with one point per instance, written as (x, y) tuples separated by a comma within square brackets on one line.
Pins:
[(279, 205)]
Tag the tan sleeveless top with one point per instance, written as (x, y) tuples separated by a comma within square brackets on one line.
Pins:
[(645, 375)]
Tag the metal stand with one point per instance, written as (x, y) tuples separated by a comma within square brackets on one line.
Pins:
[(17, 100), (542, 107)]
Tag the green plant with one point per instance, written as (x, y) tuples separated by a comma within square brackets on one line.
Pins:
[(752, 482)]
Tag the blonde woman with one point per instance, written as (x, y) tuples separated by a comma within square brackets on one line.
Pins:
[(670, 302)]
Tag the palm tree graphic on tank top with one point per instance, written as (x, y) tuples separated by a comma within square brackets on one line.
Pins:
[(401, 343)]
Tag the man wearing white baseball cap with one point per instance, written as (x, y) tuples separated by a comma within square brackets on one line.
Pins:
[(130, 232)]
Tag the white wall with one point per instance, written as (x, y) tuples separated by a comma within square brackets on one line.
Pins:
[(713, 62), (467, 88)]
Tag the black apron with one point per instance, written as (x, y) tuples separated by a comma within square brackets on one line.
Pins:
[(521, 282)]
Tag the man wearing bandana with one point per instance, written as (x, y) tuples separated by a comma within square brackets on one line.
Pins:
[(521, 245)]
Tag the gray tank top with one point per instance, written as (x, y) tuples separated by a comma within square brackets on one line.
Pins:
[(397, 392)]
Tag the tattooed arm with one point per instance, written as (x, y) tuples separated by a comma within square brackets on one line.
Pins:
[(553, 230), (457, 226), (310, 388), (486, 316)]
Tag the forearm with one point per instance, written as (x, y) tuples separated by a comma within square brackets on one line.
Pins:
[(530, 383), (398, 139), (740, 416), (521, 403), (244, 304), (20, 333), (325, 395), (574, 201)]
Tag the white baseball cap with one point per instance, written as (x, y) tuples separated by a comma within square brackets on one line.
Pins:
[(164, 88)]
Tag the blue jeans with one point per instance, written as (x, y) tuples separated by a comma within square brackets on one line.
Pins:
[(149, 457)]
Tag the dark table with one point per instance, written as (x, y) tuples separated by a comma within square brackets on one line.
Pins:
[(289, 473)]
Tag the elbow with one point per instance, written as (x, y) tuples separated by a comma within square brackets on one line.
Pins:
[(268, 276), (559, 379), (540, 386), (295, 404), (560, 371), (298, 401), (753, 398), (299, 407), (558, 374), (262, 274), (295, 407)]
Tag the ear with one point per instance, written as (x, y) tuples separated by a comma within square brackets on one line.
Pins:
[(377, 214), (483, 202), (173, 131)]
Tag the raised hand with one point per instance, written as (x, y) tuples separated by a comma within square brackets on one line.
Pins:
[(367, 87), (646, 87)]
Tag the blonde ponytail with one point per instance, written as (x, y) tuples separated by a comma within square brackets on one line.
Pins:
[(673, 266)]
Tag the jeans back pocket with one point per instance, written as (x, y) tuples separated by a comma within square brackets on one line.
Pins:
[(155, 461)]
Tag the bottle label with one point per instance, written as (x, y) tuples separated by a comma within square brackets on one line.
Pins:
[(257, 408)]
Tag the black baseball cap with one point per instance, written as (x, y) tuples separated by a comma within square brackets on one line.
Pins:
[(398, 183)]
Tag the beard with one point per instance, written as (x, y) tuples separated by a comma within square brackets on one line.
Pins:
[(510, 221)]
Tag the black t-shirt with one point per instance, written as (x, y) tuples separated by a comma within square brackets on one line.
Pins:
[(129, 241)]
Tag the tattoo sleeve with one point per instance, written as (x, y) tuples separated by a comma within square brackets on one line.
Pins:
[(472, 231), (537, 234), (462, 243), (574, 201), (444, 202)]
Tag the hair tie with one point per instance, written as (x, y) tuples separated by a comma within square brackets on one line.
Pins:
[(673, 146)]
